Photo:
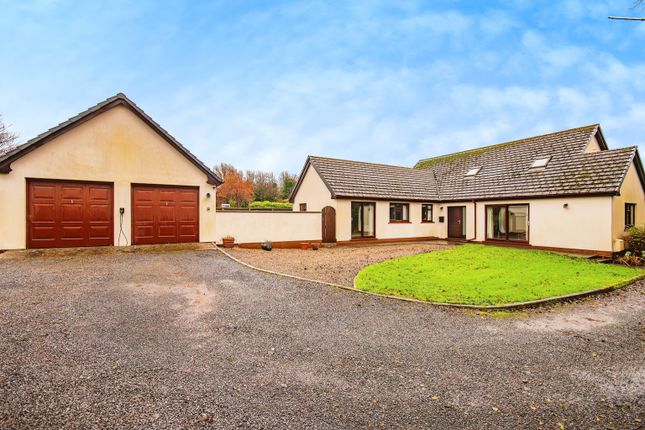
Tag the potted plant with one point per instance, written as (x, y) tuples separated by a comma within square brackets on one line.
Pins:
[(228, 241), (304, 246)]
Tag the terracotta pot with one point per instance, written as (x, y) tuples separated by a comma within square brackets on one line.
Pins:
[(315, 246), (304, 246), (228, 243)]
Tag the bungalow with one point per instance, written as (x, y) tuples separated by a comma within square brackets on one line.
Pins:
[(561, 191)]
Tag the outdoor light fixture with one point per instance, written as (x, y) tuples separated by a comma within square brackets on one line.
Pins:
[(208, 195), (566, 205)]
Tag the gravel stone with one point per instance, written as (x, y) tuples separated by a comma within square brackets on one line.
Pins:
[(336, 265), (180, 340)]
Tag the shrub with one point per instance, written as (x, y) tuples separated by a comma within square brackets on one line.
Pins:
[(630, 259), (270, 205), (635, 240)]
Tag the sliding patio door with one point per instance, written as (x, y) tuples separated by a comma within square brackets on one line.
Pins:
[(507, 222), (363, 220)]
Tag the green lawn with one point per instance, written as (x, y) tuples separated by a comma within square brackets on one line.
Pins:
[(489, 275)]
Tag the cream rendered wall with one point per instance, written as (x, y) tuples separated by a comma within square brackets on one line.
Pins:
[(385, 229), (442, 229), (115, 146), (584, 224), (631, 191), (593, 146), (314, 192), (254, 227)]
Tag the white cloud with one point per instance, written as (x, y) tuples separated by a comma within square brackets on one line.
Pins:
[(378, 81)]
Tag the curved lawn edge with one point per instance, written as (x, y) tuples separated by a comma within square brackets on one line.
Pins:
[(490, 277), (509, 306), (517, 305)]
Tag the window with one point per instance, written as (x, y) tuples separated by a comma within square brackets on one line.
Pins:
[(399, 212), (303, 207), (473, 171), (540, 162), (507, 222), (630, 215), (426, 212), (363, 220)]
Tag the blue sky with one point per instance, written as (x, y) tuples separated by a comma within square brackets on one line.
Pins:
[(261, 84)]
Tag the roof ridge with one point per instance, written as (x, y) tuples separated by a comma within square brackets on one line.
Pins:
[(363, 162), (509, 142)]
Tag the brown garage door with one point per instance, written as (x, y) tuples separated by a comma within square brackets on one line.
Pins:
[(164, 214), (67, 214)]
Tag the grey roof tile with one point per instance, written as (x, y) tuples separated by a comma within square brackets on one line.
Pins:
[(505, 171), (347, 178)]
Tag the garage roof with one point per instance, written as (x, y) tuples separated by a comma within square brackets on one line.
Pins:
[(118, 100)]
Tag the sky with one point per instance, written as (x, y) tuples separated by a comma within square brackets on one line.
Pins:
[(263, 84)]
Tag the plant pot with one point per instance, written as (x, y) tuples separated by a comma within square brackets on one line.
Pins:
[(228, 243), (315, 246), (304, 246)]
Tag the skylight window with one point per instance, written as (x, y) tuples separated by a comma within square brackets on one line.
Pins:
[(473, 171), (540, 162)]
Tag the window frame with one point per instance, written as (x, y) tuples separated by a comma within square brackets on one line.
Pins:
[(545, 160), (472, 172), (403, 212), (431, 208), (632, 213), (303, 207), (506, 206)]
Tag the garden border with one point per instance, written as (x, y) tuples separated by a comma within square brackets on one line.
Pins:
[(507, 306)]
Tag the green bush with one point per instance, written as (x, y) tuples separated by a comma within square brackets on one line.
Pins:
[(635, 240), (270, 205)]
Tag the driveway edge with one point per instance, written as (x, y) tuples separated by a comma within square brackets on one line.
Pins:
[(508, 306)]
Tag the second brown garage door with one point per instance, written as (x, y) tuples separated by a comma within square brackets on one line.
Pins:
[(164, 214)]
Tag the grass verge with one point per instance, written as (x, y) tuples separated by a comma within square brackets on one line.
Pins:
[(489, 275)]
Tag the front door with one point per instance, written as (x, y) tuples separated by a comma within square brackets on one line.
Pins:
[(328, 224), (457, 222)]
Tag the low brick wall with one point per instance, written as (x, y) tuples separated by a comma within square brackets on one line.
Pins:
[(283, 228)]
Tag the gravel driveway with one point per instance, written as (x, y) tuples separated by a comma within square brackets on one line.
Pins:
[(194, 340), (336, 265)]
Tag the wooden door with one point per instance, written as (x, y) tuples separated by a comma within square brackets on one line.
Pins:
[(63, 214), (164, 214), (328, 224), (457, 222)]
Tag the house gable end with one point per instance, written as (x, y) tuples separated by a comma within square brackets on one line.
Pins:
[(119, 100)]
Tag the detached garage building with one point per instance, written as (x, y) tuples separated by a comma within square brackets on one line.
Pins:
[(108, 176)]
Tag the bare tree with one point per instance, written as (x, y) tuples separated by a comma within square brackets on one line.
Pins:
[(7, 138), (286, 183), (265, 186)]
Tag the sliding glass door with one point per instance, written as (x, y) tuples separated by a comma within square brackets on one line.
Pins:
[(363, 219), (507, 222)]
